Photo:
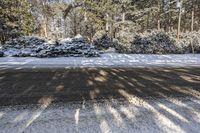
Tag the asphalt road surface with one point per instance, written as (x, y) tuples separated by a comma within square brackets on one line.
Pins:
[(100, 100)]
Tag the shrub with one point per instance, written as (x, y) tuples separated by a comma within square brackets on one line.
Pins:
[(102, 41), (160, 42)]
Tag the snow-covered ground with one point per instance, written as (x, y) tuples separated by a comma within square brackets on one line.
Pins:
[(106, 60), (135, 115)]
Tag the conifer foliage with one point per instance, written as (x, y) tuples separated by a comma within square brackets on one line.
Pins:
[(105, 23), (15, 19)]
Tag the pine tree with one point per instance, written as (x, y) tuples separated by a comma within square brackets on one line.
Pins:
[(15, 19)]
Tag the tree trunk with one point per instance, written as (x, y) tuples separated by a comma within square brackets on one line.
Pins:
[(158, 17), (192, 23), (75, 25), (148, 16), (45, 21), (159, 24), (107, 22), (45, 28), (112, 28), (123, 20), (65, 28), (179, 24)]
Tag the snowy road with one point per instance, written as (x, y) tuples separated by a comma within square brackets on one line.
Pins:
[(104, 99), (100, 100), (133, 115), (106, 60)]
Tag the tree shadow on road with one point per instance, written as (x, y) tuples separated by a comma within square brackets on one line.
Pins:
[(160, 92)]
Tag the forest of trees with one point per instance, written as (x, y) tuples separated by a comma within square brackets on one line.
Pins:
[(67, 18)]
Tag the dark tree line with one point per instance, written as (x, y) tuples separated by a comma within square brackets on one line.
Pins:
[(61, 19)]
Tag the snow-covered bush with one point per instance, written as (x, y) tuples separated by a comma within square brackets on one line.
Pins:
[(26, 41), (36, 47), (79, 39), (153, 43), (125, 37), (160, 42), (1, 54), (122, 47), (125, 31), (190, 42), (101, 40)]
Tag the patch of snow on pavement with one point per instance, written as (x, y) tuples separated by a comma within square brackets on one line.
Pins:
[(107, 60)]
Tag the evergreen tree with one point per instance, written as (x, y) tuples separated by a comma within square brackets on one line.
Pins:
[(87, 17), (15, 19)]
